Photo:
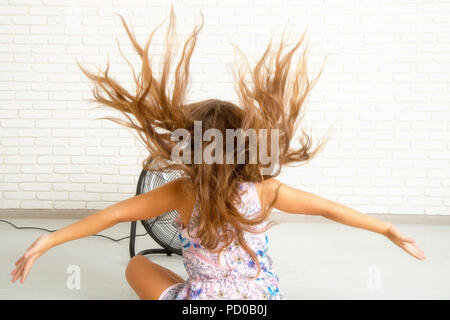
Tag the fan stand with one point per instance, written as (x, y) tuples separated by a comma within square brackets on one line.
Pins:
[(146, 251)]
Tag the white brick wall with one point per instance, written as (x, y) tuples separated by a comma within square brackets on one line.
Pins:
[(386, 82)]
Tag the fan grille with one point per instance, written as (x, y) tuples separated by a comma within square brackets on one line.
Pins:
[(161, 228)]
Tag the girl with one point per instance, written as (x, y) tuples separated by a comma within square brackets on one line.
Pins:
[(223, 206)]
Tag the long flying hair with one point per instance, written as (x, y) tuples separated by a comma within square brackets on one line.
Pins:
[(271, 100)]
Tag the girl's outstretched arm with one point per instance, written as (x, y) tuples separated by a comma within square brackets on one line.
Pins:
[(292, 200), (144, 206)]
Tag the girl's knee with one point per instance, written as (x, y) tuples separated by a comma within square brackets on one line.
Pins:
[(132, 264)]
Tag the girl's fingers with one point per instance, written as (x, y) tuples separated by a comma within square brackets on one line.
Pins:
[(14, 271), (416, 250), (422, 253), (26, 270), (18, 262), (413, 250), (19, 272), (22, 269)]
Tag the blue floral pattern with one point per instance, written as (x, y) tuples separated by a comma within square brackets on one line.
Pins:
[(229, 275)]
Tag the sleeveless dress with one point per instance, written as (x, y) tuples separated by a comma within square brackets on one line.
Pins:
[(230, 276)]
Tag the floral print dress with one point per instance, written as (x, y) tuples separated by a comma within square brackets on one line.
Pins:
[(230, 275)]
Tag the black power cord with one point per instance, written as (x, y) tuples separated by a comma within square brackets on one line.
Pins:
[(94, 235)]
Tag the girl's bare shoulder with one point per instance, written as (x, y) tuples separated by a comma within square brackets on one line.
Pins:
[(187, 194), (184, 189), (266, 190)]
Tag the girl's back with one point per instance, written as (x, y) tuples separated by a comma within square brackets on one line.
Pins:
[(229, 275)]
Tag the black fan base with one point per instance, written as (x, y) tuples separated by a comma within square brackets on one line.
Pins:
[(150, 251), (147, 251)]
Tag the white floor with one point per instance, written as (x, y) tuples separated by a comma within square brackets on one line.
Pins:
[(313, 261)]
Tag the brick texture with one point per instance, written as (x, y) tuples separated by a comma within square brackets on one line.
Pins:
[(385, 88)]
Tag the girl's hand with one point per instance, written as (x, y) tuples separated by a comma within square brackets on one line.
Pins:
[(24, 264), (406, 243)]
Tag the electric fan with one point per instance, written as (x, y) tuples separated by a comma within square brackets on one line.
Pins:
[(161, 228)]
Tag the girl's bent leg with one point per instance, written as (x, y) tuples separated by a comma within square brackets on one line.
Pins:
[(149, 279)]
